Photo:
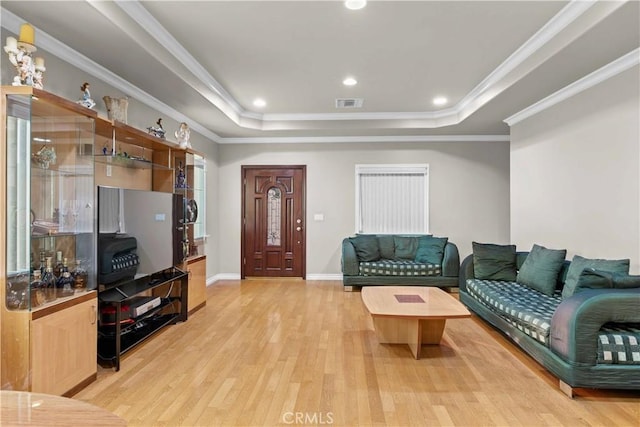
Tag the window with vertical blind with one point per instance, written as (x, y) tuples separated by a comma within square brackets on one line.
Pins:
[(392, 199)]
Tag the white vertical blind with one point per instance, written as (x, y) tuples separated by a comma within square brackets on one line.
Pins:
[(392, 199)]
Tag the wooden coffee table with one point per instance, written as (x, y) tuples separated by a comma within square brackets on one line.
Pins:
[(413, 315)]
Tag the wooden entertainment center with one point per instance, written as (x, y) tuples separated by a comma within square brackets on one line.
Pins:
[(57, 153)]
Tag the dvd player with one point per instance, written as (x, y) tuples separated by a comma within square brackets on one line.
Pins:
[(141, 305)]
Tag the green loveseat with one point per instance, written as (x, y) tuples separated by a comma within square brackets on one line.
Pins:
[(420, 260), (587, 339)]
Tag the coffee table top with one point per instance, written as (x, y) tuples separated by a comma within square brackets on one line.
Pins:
[(418, 302)]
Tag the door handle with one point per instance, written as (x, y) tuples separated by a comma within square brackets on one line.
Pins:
[(298, 228)]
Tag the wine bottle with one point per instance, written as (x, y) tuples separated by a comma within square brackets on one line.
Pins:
[(57, 269), (38, 290), (80, 276), (65, 285), (49, 280)]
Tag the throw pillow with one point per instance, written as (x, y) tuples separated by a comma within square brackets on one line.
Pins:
[(579, 263), (387, 248), (625, 281), (431, 250), (541, 268), (593, 279), (494, 262), (366, 247), (405, 247)]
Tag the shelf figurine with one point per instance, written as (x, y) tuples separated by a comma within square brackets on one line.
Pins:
[(86, 96), (157, 131), (181, 179), (182, 135)]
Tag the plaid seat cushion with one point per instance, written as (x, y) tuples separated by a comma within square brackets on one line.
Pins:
[(386, 267), (619, 344), (528, 310)]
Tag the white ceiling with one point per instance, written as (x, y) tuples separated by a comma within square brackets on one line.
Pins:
[(208, 60)]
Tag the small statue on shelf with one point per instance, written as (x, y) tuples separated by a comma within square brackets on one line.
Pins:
[(181, 179), (86, 96), (182, 135), (157, 131)]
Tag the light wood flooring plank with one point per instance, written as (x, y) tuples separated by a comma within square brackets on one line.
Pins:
[(293, 352)]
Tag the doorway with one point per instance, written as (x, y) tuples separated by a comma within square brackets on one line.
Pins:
[(273, 221)]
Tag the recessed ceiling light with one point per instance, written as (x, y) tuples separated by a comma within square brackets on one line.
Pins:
[(355, 4), (440, 100), (259, 102), (349, 81)]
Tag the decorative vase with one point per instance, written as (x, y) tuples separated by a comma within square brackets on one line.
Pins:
[(116, 108)]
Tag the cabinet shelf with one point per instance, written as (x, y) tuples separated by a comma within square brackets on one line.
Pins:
[(135, 332), (117, 337), (128, 162)]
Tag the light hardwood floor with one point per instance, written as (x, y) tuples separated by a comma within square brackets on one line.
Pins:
[(294, 352)]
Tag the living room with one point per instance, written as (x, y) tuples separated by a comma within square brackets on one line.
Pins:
[(564, 174)]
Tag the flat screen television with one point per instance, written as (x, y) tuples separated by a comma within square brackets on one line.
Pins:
[(149, 216)]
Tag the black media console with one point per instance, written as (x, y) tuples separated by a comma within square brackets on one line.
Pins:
[(133, 310)]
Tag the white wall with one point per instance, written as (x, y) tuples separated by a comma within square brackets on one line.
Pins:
[(575, 173), (469, 192)]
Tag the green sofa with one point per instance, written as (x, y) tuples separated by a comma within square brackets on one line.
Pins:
[(417, 260), (588, 339)]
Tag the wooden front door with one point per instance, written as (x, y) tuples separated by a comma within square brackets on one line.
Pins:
[(273, 232)]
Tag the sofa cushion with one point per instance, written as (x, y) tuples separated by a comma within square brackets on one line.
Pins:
[(541, 268), (405, 247), (619, 344), (494, 262), (528, 310), (431, 249), (399, 268), (579, 263), (366, 247), (387, 246)]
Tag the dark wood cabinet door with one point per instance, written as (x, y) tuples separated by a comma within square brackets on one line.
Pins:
[(273, 232)]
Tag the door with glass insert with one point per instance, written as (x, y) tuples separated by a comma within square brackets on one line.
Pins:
[(273, 235)]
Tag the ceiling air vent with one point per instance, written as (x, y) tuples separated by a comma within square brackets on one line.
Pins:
[(349, 102)]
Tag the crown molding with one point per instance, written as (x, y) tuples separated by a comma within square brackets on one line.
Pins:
[(197, 77), (486, 90), (365, 139), (602, 74)]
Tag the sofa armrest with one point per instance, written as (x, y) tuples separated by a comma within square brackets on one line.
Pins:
[(350, 263), (466, 272), (577, 320), (450, 261)]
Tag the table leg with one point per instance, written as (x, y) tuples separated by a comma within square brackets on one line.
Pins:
[(432, 330), (414, 337)]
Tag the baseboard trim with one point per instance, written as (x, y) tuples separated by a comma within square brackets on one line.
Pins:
[(223, 276), (235, 276), (324, 277)]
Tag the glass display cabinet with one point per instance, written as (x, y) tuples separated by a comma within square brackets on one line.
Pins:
[(190, 179), (48, 267)]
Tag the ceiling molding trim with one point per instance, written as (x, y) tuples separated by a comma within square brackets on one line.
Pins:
[(367, 139), (12, 23), (552, 28), (486, 90), (602, 74), (425, 115), (150, 24)]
